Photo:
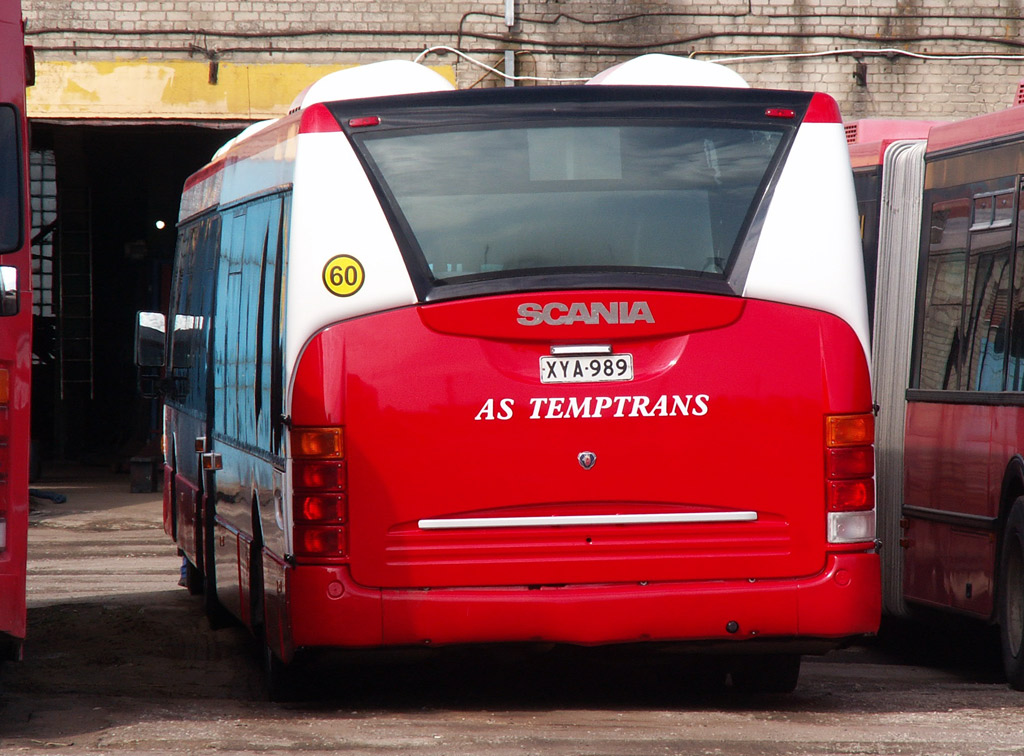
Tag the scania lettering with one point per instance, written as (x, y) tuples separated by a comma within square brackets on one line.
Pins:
[(556, 313), (568, 364)]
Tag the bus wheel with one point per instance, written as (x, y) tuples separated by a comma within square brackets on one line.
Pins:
[(775, 673), (193, 579), (1011, 597), (278, 677), (216, 614)]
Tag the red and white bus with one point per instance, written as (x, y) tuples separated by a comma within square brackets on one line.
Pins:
[(15, 330), (570, 364), (949, 369)]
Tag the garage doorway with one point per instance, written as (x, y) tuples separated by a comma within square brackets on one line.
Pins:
[(105, 204)]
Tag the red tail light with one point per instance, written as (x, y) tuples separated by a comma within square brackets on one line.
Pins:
[(311, 507), (320, 507), (319, 475), (851, 495), (849, 473), (855, 462), (319, 541), (365, 121)]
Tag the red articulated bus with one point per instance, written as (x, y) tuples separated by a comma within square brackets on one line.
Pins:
[(574, 364), (15, 330), (949, 370)]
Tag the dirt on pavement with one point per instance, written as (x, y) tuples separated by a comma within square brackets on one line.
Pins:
[(120, 659)]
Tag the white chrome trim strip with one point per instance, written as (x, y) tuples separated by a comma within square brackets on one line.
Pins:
[(580, 349), (555, 520)]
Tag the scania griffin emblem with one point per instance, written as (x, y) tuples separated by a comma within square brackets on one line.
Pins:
[(587, 459)]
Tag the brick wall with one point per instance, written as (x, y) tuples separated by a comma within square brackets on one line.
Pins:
[(863, 52)]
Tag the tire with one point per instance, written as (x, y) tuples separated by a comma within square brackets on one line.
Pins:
[(257, 607), (216, 614), (193, 579), (279, 679), (776, 673), (1011, 596), (278, 676)]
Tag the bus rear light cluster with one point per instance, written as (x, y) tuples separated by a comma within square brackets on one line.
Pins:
[(319, 481), (849, 472)]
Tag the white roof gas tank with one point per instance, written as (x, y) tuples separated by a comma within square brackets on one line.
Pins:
[(657, 69), (381, 79)]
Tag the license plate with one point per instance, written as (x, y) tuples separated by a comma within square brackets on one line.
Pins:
[(586, 368)]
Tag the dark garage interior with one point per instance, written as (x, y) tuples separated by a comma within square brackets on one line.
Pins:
[(105, 204)]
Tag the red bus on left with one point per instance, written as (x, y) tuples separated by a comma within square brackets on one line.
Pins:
[(15, 329)]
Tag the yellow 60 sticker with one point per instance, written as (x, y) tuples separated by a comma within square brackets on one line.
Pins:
[(343, 275)]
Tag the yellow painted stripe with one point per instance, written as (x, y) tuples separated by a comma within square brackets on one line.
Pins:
[(144, 89)]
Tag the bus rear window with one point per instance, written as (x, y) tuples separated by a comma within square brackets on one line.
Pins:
[(519, 201)]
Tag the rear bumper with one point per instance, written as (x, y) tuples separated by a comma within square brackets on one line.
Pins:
[(325, 608)]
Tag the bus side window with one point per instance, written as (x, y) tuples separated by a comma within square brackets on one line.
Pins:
[(227, 328), (1015, 368), (945, 267), (273, 303), (191, 304), (181, 318), (267, 323), (248, 315), (986, 317)]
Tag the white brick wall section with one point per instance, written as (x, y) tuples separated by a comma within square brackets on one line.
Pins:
[(559, 46)]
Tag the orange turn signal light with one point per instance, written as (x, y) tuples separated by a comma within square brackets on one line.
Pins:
[(849, 430), (318, 442)]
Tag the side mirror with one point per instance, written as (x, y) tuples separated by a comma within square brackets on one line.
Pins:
[(149, 352), (150, 328), (9, 303)]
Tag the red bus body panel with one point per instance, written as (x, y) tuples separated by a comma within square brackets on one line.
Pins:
[(329, 609), (956, 458), (457, 424), (16, 359)]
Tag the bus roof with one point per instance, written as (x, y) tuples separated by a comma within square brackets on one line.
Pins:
[(870, 137), (990, 127)]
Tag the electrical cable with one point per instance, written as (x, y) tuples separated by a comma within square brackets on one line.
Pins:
[(509, 77), (859, 51)]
